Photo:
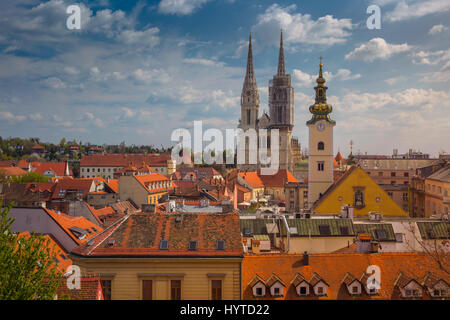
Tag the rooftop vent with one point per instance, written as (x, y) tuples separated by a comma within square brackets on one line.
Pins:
[(193, 245), (111, 243)]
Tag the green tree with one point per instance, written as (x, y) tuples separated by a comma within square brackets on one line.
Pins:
[(30, 177), (27, 264)]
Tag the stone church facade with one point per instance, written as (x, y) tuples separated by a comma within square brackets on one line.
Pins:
[(281, 114)]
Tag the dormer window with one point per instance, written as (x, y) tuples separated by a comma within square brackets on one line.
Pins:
[(258, 286)]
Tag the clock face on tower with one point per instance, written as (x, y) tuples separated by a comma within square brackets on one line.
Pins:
[(321, 126)]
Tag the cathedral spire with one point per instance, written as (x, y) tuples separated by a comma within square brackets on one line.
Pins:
[(250, 80), (281, 65)]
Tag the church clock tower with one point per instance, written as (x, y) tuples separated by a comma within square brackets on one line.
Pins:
[(320, 167)]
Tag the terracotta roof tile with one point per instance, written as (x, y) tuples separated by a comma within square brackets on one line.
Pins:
[(140, 234), (90, 289)]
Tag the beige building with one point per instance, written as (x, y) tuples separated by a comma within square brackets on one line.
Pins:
[(161, 257)]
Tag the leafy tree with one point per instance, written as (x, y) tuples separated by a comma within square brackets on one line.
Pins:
[(27, 264), (30, 177)]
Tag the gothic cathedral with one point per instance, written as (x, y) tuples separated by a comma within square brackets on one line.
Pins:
[(281, 112)]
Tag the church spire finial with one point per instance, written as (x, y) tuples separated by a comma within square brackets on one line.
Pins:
[(281, 65), (250, 70)]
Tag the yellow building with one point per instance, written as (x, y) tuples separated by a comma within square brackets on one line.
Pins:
[(357, 189), (144, 189), (161, 257), (437, 192)]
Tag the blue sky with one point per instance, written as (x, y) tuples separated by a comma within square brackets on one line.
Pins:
[(138, 70)]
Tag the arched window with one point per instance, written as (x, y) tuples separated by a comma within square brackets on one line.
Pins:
[(320, 146)]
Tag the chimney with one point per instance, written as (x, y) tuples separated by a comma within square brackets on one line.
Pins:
[(255, 246), (235, 196), (305, 258)]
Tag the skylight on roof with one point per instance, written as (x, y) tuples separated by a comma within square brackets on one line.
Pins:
[(381, 234), (192, 244), (164, 245), (220, 245), (324, 230), (247, 232)]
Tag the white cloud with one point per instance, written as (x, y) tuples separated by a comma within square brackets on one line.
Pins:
[(438, 29), (6, 115), (412, 98), (303, 79), (204, 62), (415, 9), (55, 83), (36, 117), (394, 80), (153, 75), (376, 48), (431, 57), (180, 7), (300, 28)]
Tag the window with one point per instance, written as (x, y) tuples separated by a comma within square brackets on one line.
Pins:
[(320, 146), (259, 291), (98, 170), (303, 290), (354, 289), (406, 174), (320, 165), (193, 245), (390, 194), (344, 231), (147, 286), (280, 115), (439, 190), (320, 290), (358, 199), (380, 174), (305, 194), (392, 174), (175, 291), (405, 196), (324, 230), (220, 245), (106, 288), (164, 245), (248, 116), (216, 290), (276, 291)]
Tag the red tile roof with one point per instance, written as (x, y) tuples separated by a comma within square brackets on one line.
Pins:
[(333, 267), (73, 184), (55, 249), (67, 222), (122, 160), (12, 171), (140, 235), (59, 168), (278, 180)]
